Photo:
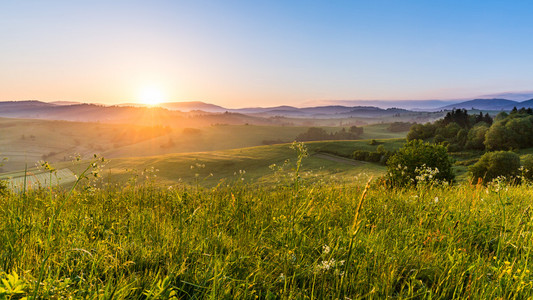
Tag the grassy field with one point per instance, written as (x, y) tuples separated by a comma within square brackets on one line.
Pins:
[(293, 238), (252, 164), (259, 165), (25, 142)]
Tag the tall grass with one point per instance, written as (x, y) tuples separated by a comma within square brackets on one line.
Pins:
[(292, 240)]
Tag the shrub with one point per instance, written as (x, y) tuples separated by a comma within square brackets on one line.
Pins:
[(527, 167), (494, 164), (376, 157), (361, 155), (418, 161)]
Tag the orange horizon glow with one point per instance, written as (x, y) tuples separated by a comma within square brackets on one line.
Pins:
[(151, 95)]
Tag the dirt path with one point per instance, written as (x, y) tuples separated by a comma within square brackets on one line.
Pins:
[(339, 159)]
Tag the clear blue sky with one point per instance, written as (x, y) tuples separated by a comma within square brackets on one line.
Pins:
[(247, 53)]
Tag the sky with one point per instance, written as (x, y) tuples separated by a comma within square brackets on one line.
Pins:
[(263, 53)]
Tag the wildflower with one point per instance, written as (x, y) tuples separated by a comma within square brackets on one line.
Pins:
[(327, 264), (326, 249)]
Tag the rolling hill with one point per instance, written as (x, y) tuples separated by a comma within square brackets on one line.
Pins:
[(26, 141), (259, 165), (150, 116)]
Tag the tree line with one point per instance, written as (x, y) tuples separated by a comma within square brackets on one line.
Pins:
[(460, 131), (320, 134)]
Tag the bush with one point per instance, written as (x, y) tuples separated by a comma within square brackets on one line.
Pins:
[(494, 164), (527, 167), (361, 155), (379, 156), (418, 161)]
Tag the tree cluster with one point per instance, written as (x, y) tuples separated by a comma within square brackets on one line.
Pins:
[(513, 131), (381, 155), (319, 134), (400, 126), (458, 130)]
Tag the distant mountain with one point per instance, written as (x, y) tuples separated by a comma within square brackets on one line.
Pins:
[(255, 110), (522, 96), (326, 112), (526, 104), (12, 108), (191, 114), (484, 104), (64, 102), (25, 103), (193, 105), (131, 104), (183, 106), (405, 104), (150, 116), (330, 109)]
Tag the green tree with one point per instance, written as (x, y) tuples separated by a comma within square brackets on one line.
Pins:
[(522, 129), (418, 161), (498, 137), (449, 131), (512, 132), (421, 132), (501, 115), (494, 164), (476, 136)]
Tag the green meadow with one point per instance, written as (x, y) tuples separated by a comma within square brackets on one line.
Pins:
[(281, 221), (255, 165), (26, 141), (297, 237)]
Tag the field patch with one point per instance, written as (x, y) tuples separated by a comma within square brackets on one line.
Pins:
[(42, 179)]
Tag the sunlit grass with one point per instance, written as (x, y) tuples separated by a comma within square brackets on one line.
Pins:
[(291, 239)]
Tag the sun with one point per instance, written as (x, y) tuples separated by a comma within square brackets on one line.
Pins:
[(151, 95)]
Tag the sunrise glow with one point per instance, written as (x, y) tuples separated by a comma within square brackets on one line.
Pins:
[(151, 96)]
